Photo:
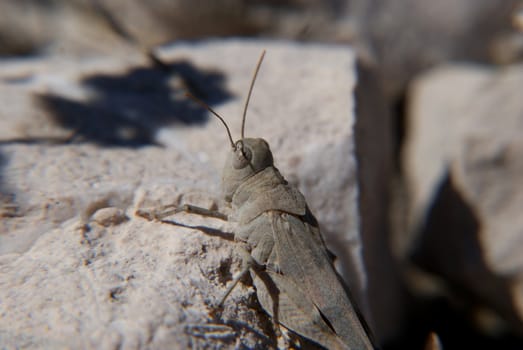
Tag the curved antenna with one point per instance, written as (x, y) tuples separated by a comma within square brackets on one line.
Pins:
[(204, 105), (250, 92)]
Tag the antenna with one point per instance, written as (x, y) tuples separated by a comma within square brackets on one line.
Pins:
[(250, 92), (204, 105)]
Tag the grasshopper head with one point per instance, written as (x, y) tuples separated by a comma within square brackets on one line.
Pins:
[(248, 157)]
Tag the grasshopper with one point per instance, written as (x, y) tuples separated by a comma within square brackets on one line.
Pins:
[(281, 245)]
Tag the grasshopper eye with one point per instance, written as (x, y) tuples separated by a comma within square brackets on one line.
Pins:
[(243, 156)]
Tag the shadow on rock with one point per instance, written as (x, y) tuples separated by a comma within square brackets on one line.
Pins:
[(449, 245), (127, 110)]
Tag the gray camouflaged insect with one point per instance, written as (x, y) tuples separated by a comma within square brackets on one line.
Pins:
[(281, 245)]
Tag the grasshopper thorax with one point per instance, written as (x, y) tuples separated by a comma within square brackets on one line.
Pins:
[(248, 157)]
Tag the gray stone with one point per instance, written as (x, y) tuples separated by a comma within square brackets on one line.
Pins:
[(79, 155), (404, 36), (464, 163), (407, 37)]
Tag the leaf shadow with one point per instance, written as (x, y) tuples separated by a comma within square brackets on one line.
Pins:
[(127, 110)]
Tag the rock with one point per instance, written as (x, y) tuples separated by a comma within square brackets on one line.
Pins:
[(80, 152), (109, 216), (433, 342), (464, 163), (73, 27), (79, 27), (404, 37), (408, 37)]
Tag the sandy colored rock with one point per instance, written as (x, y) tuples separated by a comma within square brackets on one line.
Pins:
[(80, 27), (404, 37), (75, 274), (109, 216), (407, 37)]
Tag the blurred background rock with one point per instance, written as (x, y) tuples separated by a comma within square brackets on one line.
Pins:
[(404, 36), (457, 182)]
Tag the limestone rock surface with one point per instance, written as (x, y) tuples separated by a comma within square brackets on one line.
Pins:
[(86, 143)]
